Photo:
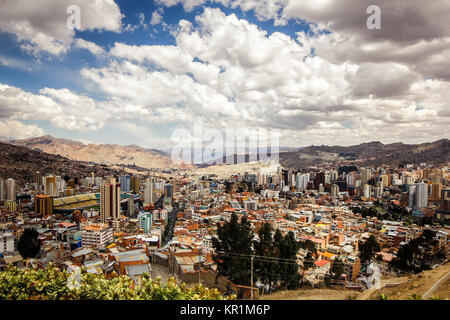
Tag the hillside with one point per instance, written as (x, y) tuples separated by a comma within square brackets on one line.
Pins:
[(399, 288), (21, 163), (111, 154), (414, 284), (367, 154)]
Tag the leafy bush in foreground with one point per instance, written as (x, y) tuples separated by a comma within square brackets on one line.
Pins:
[(51, 284)]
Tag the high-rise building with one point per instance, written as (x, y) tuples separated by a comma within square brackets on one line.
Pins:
[(69, 192), (297, 180), (421, 195), (391, 179), (135, 184), (367, 189), (98, 181), (109, 201), (306, 178), (429, 173), (406, 179), (351, 179), (301, 181), (290, 178), (50, 187), (334, 175), (43, 204), (418, 196), (145, 221), (38, 179), (436, 190), (2, 190), (334, 190), (130, 206), (366, 175), (358, 182), (60, 185), (111, 179), (11, 189), (11, 205), (384, 181), (321, 188), (412, 196), (261, 178), (319, 179), (377, 192), (125, 183), (149, 192), (445, 200)]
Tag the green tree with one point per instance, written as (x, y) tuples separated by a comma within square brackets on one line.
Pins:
[(289, 269), (277, 240), (368, 249), (308, 245), (337, 268), (277, 243), (309, 261), (417, 254), (266, 270), (233, 250), (29, 244), (428, 235)]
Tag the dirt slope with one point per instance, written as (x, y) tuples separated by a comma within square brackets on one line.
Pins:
[(414, 284), (400, 288)]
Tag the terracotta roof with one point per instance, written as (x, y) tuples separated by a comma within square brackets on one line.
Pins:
[(321, 263)]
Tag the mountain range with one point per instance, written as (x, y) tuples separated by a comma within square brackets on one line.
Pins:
[(366, 154), (21, 163), (369, 154), (110, 154)]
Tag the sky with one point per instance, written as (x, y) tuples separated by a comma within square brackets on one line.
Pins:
[(135, 71)]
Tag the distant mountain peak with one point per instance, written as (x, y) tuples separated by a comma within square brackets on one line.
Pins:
[(99, 153), (375, 143)]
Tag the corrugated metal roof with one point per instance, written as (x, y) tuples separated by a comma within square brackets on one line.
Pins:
[(82, 252), (133, 255), (13, 259), (137, 270)]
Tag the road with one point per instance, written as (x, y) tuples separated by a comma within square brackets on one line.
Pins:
[(158, 204), (435, 286), (171, 223)]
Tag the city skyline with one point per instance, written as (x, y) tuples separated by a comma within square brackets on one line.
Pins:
[(135, 72)]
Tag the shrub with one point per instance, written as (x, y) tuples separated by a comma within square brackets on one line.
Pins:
[(51, 284)]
